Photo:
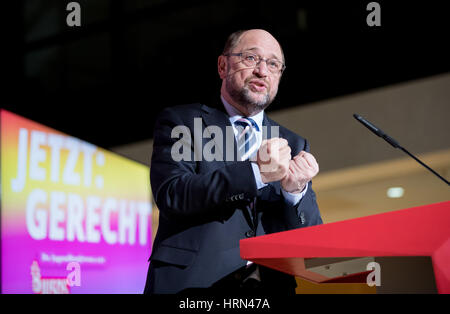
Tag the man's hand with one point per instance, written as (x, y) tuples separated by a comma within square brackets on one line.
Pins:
[(273, 159), (302, 168)]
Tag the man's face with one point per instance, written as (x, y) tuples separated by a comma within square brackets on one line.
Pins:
[(252, 89)]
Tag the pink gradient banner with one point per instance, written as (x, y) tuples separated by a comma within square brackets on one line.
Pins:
[(75, 218)]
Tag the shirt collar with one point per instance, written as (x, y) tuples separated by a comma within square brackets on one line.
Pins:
[(234, 114)]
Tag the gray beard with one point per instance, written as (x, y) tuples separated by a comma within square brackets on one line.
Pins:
[(242, 97)]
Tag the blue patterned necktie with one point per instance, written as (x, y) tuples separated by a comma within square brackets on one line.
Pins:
[(247, 140), (247, 145)]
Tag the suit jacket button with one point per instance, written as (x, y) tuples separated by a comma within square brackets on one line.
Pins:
[(250, 234)]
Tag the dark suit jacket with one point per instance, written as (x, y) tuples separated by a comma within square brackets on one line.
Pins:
[(204, 205)]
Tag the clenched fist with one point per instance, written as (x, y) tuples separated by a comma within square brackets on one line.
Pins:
[(273, 159), (302, 168)]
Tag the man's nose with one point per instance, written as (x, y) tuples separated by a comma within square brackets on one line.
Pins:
[(261, 69)]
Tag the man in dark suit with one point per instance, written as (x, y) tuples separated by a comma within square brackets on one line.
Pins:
[(212, 192)]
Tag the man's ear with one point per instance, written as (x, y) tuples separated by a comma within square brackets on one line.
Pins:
[(222, 66)]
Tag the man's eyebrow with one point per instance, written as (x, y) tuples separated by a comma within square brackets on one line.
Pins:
[(256, 48)]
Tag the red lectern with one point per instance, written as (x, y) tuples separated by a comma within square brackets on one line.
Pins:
[(418, 231)]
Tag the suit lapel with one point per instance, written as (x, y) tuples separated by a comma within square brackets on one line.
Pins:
[(213, 117), (267, 128)]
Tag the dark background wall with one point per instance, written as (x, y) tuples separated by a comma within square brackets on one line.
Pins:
[(105, 81)]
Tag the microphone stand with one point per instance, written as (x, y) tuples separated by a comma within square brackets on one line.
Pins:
[(394, 143)]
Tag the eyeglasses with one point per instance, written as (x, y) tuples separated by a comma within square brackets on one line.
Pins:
[(252, 60)]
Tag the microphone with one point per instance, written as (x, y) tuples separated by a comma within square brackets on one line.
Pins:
[(393, 142), (377, 131)]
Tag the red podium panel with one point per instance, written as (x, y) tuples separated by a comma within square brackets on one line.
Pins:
[(418, 231)]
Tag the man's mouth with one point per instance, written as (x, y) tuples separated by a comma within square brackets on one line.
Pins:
[(257, 86)]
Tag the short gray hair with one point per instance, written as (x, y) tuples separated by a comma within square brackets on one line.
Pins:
[(233, 41)]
